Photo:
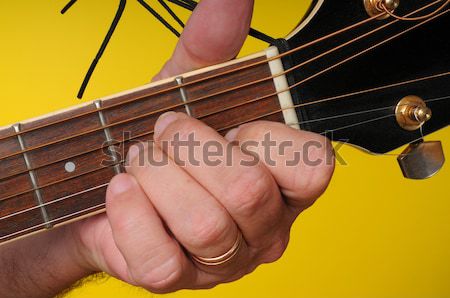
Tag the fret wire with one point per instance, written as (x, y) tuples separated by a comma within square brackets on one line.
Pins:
[(33, 178), (184, 98), (109, 139), (251, 101), (232, 89)]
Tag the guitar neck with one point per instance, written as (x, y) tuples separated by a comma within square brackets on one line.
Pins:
[(54, 170)]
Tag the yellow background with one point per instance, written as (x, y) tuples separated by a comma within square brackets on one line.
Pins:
[(373, 234)]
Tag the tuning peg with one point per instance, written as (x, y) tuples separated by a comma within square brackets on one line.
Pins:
[(421, 160)]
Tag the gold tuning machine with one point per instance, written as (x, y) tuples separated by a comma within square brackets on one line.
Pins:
[(374, 7), (420, 160), (412, 112)]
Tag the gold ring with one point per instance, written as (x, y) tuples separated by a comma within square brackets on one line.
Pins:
[(224, 258)]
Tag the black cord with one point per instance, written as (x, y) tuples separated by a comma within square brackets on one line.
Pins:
[(261, 36), (105, 42), (187, 5), (68, 5), (159, 18), (172, 13)]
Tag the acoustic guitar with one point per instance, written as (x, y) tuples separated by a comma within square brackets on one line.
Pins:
[(53, 170)]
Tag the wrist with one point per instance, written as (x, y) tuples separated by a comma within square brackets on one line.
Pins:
[(42, 265)]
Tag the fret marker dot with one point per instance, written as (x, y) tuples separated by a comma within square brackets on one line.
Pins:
[(70, 167)]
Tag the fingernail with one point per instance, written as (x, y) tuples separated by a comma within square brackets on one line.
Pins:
[(163, 121), (121, 184), (232, 134)]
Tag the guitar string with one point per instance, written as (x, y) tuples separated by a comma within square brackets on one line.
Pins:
[(292, 51), (359, 123), (205, 97), (289, 124)]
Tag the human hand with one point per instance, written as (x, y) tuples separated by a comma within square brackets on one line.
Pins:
[(159, 217)]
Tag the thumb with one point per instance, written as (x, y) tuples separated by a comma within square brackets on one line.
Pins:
[(214, 33)]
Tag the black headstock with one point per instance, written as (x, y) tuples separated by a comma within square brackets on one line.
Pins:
[(411, 59)]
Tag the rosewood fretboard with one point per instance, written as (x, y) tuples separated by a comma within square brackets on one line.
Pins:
[(51, 169)]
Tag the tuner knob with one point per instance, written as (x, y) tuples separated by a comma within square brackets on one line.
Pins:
[(421, 160), (412, 112), (421, 114), (373, 7)]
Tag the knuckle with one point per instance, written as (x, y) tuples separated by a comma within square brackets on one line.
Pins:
[(312, 180), (258, 130), (121, 224), (139, 156), (255, 130), (181, 128), (250, 191), (208, 231), (276, 250), (186, 127), (159, 276)]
